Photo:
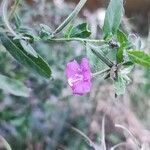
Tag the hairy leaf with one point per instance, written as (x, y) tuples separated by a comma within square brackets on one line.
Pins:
[(120, 85), (120, 55), (46, 32), (28, 48), (95, 63), (122, 38), (113, 17), (139, 57)]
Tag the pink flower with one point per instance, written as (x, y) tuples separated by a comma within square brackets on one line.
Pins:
[(79, 76)]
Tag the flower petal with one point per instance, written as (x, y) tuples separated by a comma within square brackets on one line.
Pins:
[(72, 69), (79, 76), (85, 64), (85, 67), (81, 88)]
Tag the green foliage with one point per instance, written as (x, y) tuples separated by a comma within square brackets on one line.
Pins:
[(122, 38), (41, 117), (139, 57), (13, 86), (122, 80), (113, 18), (37, 65), (120, 55), (120, 85), (45, 32), (80, 31), (28, 48), (99, 54), (95, 63)]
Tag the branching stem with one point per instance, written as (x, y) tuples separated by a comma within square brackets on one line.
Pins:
[(5, 17), (100, 72)]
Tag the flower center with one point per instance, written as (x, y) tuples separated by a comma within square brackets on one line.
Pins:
[(75, 79)]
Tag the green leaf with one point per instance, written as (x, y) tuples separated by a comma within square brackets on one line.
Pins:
[(99, 54), (122, 38), (125, 71), (46, 32), (128, 63), (95, 63), (13, 86), (27, 32), (37, 65), (80, 31), (122, 80), (139, 57), (28, 48), (68, 31), (120, 55), (120, 85), (113, 18)]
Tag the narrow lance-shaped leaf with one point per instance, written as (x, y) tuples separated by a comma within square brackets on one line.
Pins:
[(139, 57), (37, 65), (123, 41), (113, 17), (13, 86), (122, 37), (28, 48)]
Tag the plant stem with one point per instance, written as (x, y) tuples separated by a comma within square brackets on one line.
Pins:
[(70, 17), (100, 72), (5, 17), (118, 145), (7, 146), (103, 142), (138, 145), (76, 39), (89, 141), (13, 10)]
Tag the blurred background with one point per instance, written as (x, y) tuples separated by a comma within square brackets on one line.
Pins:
[(42, 121)]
